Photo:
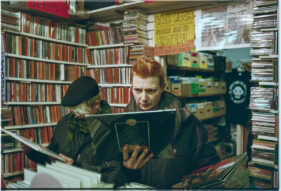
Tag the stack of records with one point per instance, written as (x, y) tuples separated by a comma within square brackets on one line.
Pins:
[(227, 173), (263, 98), (6, 114), (104, 34), (263, 39), (264, 152), (264, 70), (135, 27), (264, 124), (263, 169), (140, 50), (10, 20), (262, 175)]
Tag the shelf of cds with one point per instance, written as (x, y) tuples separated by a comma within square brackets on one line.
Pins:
[(107, 59), (18, 127), (263, 167), (40, 58)]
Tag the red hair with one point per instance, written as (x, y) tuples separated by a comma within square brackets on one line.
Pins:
[(148, 67)]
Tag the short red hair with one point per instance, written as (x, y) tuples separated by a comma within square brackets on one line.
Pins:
[(148, 67)]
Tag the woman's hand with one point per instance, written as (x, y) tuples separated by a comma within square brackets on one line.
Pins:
[(26, 149), (136, 161), (66, 159)]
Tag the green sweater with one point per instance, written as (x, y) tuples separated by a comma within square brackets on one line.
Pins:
[(86, 141)]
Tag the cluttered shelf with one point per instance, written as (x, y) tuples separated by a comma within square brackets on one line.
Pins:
[(44, 60), (38, 80), (203, 95), (18, 127), (46, 38), (116, 11)]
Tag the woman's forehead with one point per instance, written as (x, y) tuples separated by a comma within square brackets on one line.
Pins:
[(151, 82)]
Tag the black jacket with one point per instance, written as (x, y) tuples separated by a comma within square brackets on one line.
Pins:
[(191, 151)]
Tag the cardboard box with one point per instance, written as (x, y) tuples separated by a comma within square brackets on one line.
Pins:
[(202, 86), (192, 108), (209, 85), (216, 87), (185, 59), (203, 61), (223, 86), (173, 60), (208, 106), (221, 104), (216, 109), (194, 60), (176, 89), (200, 111), (210, 62), (184, 90), (168, 86), (182, 59)]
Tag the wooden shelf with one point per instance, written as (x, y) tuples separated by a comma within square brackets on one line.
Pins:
[(19, 127), (213, 117), (106, 46), (31, 103), (116, 11), (37, 80), (14, 150), (114, 85), (192, 69), (117, 105), (44, 60), (202, 95), (47, 39), (7, 175), (5, 120), (109, 66)]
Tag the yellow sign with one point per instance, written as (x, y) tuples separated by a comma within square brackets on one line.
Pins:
[(174, 28)]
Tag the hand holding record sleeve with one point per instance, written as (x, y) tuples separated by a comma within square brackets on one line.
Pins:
[(147, 129), (34, 145)]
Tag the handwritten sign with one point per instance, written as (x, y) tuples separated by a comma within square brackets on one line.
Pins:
[(174, 32), (58, 7)]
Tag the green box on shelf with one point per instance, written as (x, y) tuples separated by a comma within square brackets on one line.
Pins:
[(194, 88), (182, 59)]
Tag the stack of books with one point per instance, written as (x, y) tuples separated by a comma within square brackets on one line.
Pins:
[(264, 70), (6, 114), (139, 50), (228, 173), (263, 98), (263, 169), (10, 20), (135, 27), (104, 34)]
